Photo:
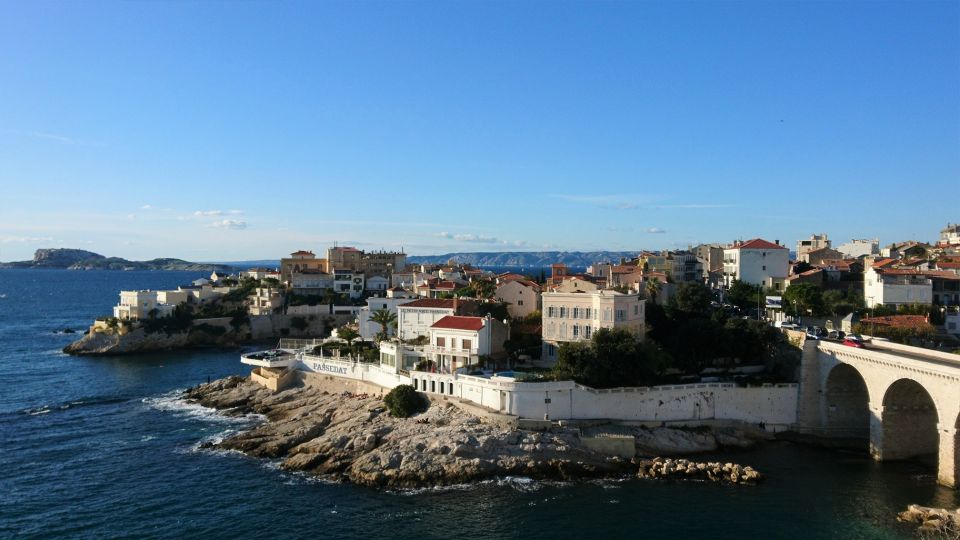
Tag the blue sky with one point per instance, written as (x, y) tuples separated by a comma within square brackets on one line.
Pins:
[(240, 130)]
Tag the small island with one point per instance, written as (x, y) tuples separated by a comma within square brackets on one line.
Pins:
[(79, 259)]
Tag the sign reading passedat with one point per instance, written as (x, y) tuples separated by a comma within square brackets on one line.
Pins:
[(336, 370)]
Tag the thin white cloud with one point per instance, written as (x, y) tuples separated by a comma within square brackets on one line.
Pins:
[(229, 224), (213, 213), (695, 206), (480, 239), (24, 239), (620, 202), (63, 139), (655, 230), (146, 207)]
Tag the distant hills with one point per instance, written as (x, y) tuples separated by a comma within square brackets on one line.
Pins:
[(79, 259), (533, 259)]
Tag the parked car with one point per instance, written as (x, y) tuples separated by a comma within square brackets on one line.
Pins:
[(837, 335)]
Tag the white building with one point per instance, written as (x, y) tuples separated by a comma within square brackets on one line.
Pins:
[(368, 328), (311, 281), (860, 248), (415, 318), (135, 305), (264, 301), (348, 282), (376, 284), (757, 262), (896, 286), (576, 316), (522, 297), (454, 343)]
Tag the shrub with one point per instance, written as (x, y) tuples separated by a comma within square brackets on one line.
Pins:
[(403, 401)]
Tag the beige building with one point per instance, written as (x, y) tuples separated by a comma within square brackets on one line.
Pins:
[(135, 305), (569, 317), (299, 261), (815, 242), (522, 297), (381, 263)]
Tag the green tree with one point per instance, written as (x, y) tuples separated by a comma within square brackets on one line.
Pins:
[(612, 358), (693, 297), (653, 288), (741, 294), (483, 288), (403, 401), (803, 299), (385, 319), (348, 334)]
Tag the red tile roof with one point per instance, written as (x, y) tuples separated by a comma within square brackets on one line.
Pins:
[(881, 263), (452, 322), (899, 321), (302, 252), (758, 243)]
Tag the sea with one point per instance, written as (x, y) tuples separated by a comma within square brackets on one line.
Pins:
[(104, 447)]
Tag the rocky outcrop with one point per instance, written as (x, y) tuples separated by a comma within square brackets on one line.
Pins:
[(684, 469), (933, 522), (324, 431), (79, 259), (352, 438)]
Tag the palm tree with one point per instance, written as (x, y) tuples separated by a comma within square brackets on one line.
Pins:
[(385, 319), (653, 289), (348, 334)]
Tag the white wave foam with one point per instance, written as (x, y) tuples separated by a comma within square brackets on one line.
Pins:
[(174, 402), (38, 410)]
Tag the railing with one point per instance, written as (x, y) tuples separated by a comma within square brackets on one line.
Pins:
[(297, 344)]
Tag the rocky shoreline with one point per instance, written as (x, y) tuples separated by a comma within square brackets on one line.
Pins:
[(933, 522), (322, 430)]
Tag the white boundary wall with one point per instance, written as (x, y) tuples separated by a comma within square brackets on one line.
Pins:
[(774, 405)]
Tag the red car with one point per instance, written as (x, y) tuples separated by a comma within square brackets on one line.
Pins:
[(854, 343)]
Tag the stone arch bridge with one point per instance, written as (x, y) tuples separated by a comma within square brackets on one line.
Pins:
[(904, 400)]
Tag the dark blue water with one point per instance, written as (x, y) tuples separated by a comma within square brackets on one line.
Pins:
[(102, 448)]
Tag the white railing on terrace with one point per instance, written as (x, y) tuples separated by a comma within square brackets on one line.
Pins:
[(451, 350), (297, 344)]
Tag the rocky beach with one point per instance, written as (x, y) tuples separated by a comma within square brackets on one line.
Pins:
[(320, 428)]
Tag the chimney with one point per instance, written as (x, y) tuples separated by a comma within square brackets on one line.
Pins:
[(777, 242), (456, 305)]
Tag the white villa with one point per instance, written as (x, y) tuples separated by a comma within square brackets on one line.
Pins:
[(456, 343), (757, 262), (415, 318), (575, 316)]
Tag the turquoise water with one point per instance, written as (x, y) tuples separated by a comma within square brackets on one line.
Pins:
[(103, 448)]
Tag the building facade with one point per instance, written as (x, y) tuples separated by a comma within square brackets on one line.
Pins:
[(521, 296), (570, 317), (757, 262)]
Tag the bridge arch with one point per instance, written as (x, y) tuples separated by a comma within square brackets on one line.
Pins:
[(847, 403), (909, 422)]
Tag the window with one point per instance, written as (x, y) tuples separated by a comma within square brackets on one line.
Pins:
[(764, 268), (587, 331), (621, 314), (441, 342), (519, 302), (441, 387), (576, 312), (467, 344), (576, 330), (450, 386), (563, 312), (551, 311), (586, 313), (636, 309)]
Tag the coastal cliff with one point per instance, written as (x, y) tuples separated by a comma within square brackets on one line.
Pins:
[(318, 428)]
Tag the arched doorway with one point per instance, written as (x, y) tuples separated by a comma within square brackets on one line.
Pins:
[(848, 404), (909, 422)]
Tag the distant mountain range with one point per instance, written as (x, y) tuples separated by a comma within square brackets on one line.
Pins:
[(79, 259), (532, 259)]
